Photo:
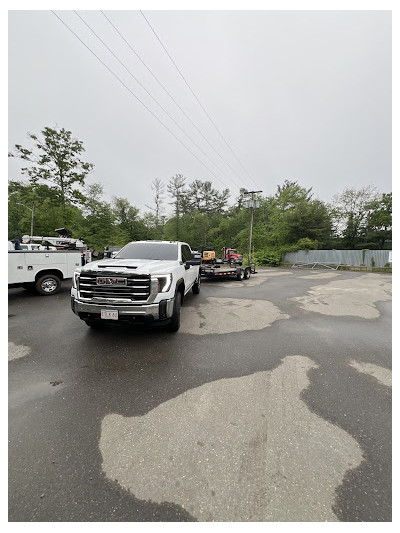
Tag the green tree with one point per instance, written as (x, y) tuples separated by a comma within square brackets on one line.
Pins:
[(380, 219), (48, 213), (97, 222), (292, 214), (55, 159), (290, 193), (308, 220), (350, 214), (129, 225), (201, 197), (156, 219), (176, 188)]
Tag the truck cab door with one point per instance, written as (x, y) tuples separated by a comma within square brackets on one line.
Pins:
[(192, 271)]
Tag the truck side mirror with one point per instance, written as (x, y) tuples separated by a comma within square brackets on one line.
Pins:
[(195, 259)]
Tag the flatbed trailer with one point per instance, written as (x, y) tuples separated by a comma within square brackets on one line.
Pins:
[(225, 271)]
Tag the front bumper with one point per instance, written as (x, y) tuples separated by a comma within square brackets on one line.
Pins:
[(134, 313)]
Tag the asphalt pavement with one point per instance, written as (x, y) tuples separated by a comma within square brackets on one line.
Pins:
[(271, 403)]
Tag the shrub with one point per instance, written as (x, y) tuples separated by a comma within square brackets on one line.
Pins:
[(363, 256), (306, 244), (372, 262), (267, 257), (366, 246)]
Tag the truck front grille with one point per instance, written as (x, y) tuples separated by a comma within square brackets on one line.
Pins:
[(137, 288)]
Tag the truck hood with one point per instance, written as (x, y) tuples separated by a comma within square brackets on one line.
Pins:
[(138, 266)]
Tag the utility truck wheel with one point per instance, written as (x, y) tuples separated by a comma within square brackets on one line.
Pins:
[(239, 274), (175, 323), (48, 284), (246, 273), (196, 286)]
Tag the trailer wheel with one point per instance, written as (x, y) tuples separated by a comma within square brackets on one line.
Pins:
[(240, 274), (48, 284), (175, 323), (246, 273)]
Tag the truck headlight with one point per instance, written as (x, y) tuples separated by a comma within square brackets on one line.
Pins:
[(164, 282), (75, 279)]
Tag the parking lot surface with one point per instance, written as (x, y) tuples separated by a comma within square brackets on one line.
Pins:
[(271, 403)]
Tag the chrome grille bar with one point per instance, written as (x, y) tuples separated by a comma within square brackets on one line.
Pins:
[(136, 288)]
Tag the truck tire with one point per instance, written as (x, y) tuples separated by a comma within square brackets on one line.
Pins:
[(240, 274), (48, 284), (247, 273), (175, 323), (232, 262), (196, 286)]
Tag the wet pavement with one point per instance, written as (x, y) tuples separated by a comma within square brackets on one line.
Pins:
[(272, 403)]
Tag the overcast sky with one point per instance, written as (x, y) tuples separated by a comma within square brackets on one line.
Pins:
[(300, 95)]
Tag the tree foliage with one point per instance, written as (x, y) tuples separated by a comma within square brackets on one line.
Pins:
[(287, 220), (55, 159), (350, 213)]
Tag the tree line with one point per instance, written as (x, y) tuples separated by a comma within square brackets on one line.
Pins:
[(191, 211)]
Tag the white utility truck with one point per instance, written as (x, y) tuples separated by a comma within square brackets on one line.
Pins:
[(64, 241), (145, 283), (42, 270)]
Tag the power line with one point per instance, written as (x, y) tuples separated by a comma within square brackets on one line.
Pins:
[(152, 97), (136, 97), (170, 95), (196, 98)]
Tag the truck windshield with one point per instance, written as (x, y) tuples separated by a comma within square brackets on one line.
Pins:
[(162, 251)]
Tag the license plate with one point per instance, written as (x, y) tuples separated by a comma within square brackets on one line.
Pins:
[(109, 315), (111, 281)]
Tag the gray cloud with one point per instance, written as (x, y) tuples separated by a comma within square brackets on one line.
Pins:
[(298, 94)]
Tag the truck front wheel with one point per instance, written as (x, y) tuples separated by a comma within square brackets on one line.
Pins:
[(175, 323), (48, 284)]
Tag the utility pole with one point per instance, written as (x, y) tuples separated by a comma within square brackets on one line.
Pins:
[(251, 204)]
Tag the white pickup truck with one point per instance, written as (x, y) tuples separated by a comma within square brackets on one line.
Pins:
[(42, 270), (146, 282)]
